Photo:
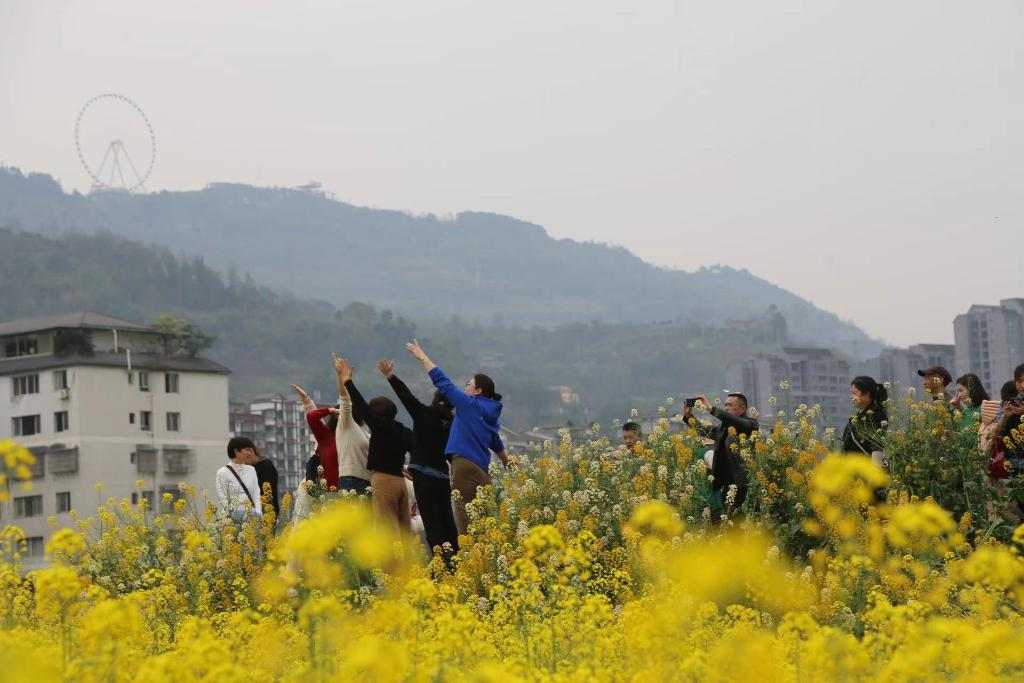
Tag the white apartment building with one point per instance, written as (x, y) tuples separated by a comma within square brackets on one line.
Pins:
[(97, 401), (816, 376), (990, 342)]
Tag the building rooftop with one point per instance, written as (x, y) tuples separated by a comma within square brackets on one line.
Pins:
[(934, 347), (79, 319), (144, 361), (809, 351)]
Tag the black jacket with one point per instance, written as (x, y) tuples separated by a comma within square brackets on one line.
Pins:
[(390, 440), (728, 467), (864, 432), (267, 472), (312, 466), (429, 431)]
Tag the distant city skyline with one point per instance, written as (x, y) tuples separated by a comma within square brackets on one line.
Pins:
[(863, 156)]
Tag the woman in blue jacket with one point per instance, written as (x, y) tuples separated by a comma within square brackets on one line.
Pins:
[(474, 434)]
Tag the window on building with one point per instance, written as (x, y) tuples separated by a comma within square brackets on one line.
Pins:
[(25, 384), (34, 546), (171, 382), (27, 425), (174, 422), (63, 501), (145, 420), (131, 418), (143, 381), (60, 421), (60, 380), (24, 346), (28, 506)]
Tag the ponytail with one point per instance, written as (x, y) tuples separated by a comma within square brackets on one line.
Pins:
[(486, 386)]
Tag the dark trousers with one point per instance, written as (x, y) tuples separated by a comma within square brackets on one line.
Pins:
[(733, 511), (356, 484), (434, 501)]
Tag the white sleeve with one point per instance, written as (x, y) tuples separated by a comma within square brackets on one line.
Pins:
[(222, 489)]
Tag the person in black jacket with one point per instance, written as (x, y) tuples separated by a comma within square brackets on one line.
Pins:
[(431, 482), (266, 473), (727, 468), (390, 440), (865, 431)]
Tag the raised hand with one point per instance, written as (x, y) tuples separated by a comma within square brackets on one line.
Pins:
[(386, 367), (342, 368), (702, 403), (302, 393), (413, 347)]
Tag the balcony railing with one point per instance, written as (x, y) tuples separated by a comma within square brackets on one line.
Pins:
[(38, 468), (145, 459), (177, 460), (63, 460)]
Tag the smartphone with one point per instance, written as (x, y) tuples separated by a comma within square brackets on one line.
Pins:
[(691, 402)]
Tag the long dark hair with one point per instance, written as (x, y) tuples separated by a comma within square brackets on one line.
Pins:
[(878, 393), (975, 389), (486, 386)]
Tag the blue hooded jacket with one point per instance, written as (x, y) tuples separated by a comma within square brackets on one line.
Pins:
[(475, 429)]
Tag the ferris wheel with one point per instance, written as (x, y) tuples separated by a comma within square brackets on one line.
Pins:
[(107, 126)]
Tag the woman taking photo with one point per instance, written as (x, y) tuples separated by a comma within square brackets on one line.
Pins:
[(474, 433)]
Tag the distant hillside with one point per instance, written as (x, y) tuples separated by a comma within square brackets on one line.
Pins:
[(479, 266), (270, 340)]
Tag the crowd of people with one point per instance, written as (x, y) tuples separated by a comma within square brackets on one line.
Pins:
[(422, 478)]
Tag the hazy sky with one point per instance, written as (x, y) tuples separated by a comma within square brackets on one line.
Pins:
[(866, 155)]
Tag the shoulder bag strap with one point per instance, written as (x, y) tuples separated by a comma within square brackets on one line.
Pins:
[(242, 484)]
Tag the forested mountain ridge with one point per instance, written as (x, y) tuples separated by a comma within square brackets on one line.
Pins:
[(269, 339), (479, 266)]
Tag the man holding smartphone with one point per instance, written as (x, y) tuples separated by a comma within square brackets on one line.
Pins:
[(1010, 421), (727, 467)]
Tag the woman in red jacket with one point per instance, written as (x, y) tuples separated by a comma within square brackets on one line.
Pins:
[(326, 447)]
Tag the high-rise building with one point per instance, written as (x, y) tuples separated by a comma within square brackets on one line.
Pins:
[(816, 376), (99, 401), (899, 366), (277, 425), (990, 342)]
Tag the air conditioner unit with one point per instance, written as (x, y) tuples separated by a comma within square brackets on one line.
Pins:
[(65, 394)]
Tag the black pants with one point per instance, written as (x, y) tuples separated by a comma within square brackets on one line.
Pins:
[(733, 510), (434, 500)]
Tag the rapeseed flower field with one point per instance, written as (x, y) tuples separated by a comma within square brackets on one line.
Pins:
[(584, 561)]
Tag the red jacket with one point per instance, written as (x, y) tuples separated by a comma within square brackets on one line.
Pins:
[(325, 444)]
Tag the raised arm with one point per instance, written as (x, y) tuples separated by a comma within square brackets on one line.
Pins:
[(342, 373), (360, 404), (413, 347), (411, 403), (740, 424), (307, 402), (314, 418), (696, 425), (457, 397)]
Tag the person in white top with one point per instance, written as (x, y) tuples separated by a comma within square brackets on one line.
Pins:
[(238, 487), (353, 444)]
